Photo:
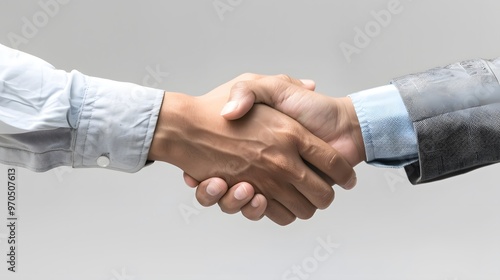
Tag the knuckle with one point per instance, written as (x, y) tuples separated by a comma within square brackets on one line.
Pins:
[(248, 76), (299, 176), (295, 134), (241, 85), (284, 77), (288, 140)]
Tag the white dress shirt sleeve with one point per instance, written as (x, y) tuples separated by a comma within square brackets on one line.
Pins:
[(51, 118)]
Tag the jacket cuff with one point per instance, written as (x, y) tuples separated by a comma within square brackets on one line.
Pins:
[(455, 112)]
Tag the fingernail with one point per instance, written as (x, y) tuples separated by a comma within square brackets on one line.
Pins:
[(307, 82), (240, 193), (351, 183), (255, 202), (213, 189), (229, 107)]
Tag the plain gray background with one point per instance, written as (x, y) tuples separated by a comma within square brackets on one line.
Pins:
[(98, 224)]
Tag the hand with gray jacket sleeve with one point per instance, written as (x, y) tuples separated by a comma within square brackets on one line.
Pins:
[(436, 124), (455, 111)]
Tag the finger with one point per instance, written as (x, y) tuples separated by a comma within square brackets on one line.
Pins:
[(310, 185), (210, 191), (268, 90), (296, 202), (278, 213), (325, 158), (256, 208), (320, 173), (308, 84), (237, 197), (190, 181)]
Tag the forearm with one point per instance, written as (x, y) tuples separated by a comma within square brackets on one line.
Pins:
[(174, 121)]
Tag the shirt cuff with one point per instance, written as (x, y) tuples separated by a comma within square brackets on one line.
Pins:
[(388, 134), (116, 124)]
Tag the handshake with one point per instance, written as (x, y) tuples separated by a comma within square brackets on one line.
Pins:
[(262, 145)]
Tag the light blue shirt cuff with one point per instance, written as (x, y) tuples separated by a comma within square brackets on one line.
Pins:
[(388, 134)]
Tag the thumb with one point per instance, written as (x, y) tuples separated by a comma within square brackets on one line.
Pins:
[(241, 100), (266, 90)]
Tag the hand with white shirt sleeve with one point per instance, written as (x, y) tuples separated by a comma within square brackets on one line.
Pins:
[(52, 118)]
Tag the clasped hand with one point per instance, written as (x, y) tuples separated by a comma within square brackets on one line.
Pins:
[(275, 165)]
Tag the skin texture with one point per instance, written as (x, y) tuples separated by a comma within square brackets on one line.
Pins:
[(334, 120), (265, 148)]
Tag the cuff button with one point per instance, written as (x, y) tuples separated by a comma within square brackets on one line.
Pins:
[(103, 161)]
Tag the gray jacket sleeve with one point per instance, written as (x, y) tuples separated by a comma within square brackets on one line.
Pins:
[(455, 112)]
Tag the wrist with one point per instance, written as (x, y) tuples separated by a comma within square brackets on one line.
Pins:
[(169, 127), (353, 129)]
